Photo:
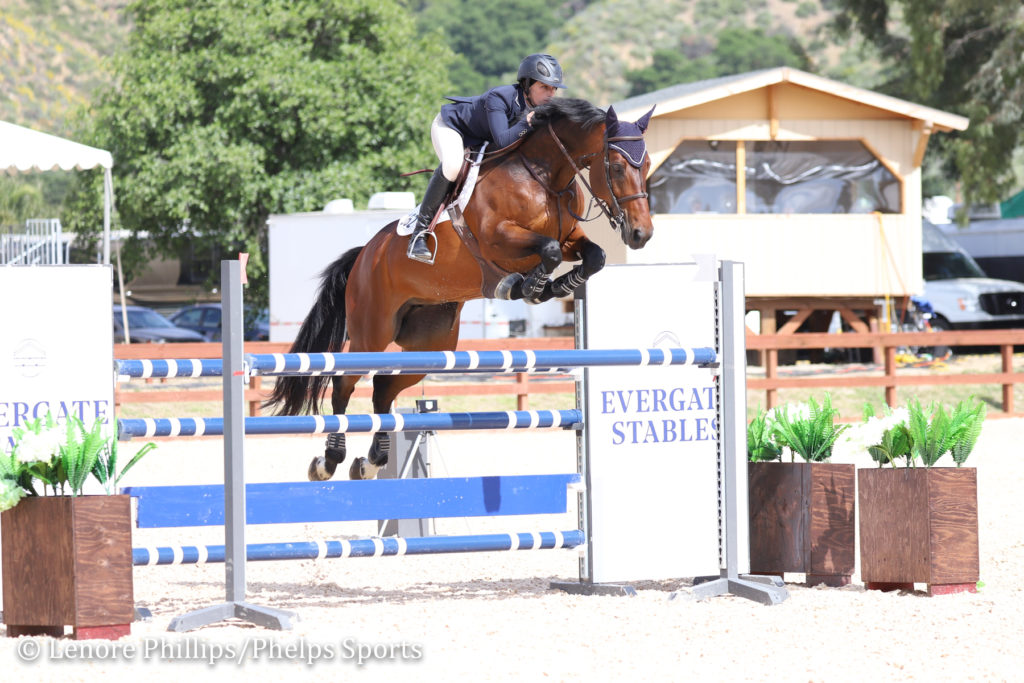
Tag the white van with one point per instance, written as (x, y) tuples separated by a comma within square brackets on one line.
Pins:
[(960, 293)]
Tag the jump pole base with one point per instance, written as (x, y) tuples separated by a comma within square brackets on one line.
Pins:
[(769, 579), (583, 588), (764, 593), (267, 617)]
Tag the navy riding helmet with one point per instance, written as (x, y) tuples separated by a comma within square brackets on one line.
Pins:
[(543, 68)]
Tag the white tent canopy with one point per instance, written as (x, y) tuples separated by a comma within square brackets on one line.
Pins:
[(23, 149)]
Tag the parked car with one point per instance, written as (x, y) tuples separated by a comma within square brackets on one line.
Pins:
[(205, 319), (146, 325), (962, 296)]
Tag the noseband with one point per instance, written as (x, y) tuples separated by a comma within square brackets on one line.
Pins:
[(616, 216)]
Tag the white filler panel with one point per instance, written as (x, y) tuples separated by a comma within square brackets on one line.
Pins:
[(56, 345), (652, 437)]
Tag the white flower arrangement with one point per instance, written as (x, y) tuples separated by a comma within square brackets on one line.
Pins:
[(859, 438), (61, 457), (41, 446)]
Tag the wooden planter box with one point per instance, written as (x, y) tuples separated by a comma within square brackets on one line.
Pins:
[(802, 520), (919, 525), (68, 561)]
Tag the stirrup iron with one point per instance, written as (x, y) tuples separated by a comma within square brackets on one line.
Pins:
[(433, 252)]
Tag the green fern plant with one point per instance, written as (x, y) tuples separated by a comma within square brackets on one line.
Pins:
[(105, 467), (761, 446), (810, 437), (79, 453), (932, 435), (955, 432), (967, 423), (896, 443)]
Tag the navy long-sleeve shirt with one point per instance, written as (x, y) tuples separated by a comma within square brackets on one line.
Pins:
[(497, 116)]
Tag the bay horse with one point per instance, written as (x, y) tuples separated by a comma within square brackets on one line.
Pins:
[(524, 214)]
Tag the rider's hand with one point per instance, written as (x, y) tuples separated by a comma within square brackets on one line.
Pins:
[(529, 118)]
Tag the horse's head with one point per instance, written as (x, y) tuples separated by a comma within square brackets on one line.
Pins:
[(620, 179)]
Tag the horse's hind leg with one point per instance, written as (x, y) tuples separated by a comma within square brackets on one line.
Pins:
[(322, 467), (423, 328)]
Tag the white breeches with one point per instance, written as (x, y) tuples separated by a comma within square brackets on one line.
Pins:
[(448, 145)]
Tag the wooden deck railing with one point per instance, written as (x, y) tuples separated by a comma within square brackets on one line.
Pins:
[(1005, 340)]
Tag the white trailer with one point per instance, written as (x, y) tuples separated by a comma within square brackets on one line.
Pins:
[(302, 245), (997, 245)]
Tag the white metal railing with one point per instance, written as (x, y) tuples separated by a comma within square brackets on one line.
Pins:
[(42, 243)]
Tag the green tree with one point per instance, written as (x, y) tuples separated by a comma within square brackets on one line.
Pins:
[(491, 37), (226, 111), (962, 56), (668, 68), (735, 50), (19, 199)]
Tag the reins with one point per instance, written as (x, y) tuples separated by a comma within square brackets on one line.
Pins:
[(616, 215), (618, 218)]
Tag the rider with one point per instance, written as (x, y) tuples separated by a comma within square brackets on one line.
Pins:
[(495, 117)]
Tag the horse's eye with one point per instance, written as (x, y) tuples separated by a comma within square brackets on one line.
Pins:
[(618, 169)]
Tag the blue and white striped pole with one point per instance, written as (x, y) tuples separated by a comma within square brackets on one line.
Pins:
[(327, 424), (367, 547), (416, 362)]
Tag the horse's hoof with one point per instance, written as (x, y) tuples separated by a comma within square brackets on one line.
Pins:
[(320, 469), (503, 290), (355, 470), (361, 468)]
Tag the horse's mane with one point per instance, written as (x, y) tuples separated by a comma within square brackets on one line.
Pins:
[(580, 112)]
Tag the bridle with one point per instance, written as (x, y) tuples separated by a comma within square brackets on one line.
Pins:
[(616, 216)]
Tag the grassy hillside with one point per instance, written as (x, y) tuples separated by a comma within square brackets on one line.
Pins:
[(52, 51), (607, 39), (51, 57)]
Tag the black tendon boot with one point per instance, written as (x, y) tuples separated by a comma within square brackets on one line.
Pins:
[(437, 188)]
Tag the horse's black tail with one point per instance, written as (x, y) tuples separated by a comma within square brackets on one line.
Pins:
[(323, 330)]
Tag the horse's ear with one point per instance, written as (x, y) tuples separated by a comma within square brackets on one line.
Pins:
[(644, 120), (610, 118)]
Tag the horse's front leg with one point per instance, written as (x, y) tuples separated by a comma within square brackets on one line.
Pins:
[(592, 260), (533, 285)]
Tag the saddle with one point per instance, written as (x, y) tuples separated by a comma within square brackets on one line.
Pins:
[(405, 225), (496, 282)]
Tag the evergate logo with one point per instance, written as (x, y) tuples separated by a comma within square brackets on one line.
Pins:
[(649, 416), (17, 413), (29, 358)]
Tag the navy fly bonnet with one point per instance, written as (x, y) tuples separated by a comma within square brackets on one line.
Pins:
[(633, 150)]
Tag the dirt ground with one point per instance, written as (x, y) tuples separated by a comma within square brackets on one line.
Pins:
[(492, 616)]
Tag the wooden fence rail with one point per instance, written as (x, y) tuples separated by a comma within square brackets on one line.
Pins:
[(522, 387), (889, 343)]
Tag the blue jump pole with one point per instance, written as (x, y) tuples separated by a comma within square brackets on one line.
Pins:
[(417, 362), (367, 547), (325, 424)]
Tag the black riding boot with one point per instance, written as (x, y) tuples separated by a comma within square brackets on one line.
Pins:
[(437, 188)]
